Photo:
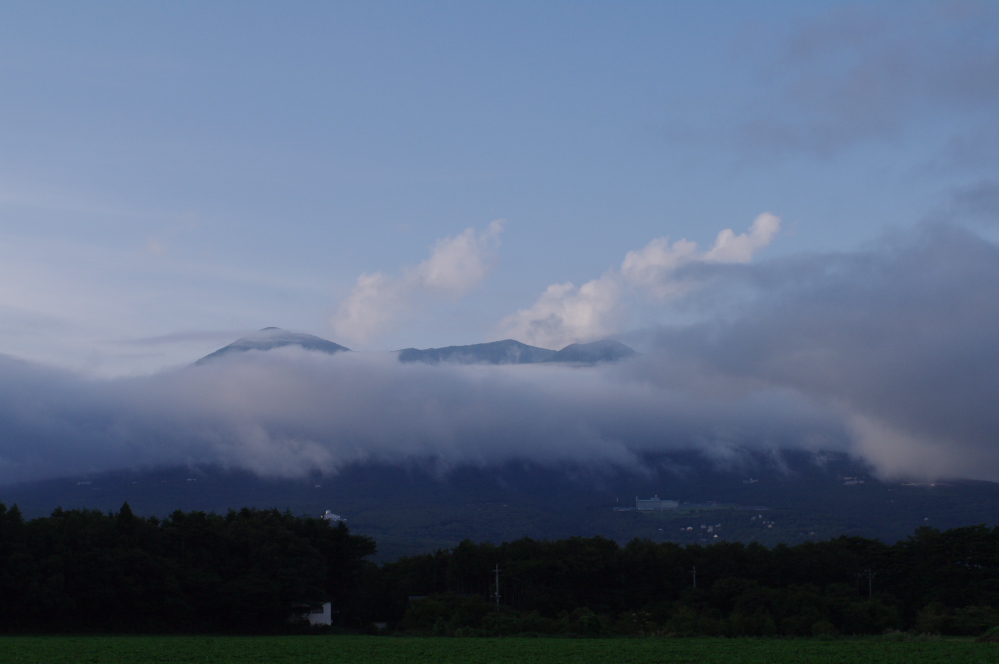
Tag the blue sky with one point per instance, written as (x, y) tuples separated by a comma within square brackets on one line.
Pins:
[(790, 209), (173, 175)]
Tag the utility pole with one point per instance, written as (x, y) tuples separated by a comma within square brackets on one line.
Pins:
[(497, 595), (693, 573), (869, 575)]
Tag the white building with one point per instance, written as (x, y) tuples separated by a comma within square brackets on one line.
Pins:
[(656, 504), (316, 614)]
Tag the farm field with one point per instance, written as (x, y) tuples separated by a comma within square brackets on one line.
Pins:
[(414, 650)]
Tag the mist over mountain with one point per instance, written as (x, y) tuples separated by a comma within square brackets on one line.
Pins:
[(706, 248), (270, 338), (766, 496), (510, 351), (607, 350), (885, 354), (507, 351)]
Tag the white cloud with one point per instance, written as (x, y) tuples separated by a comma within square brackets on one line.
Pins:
[(732, 248), (644, 268), (566, 314), (378, 300)]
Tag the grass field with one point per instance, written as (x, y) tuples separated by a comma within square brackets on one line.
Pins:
[(392, 650)]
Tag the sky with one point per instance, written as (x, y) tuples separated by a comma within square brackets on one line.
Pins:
[(791, 209)]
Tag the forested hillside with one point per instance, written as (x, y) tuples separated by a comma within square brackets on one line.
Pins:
[(414, 509), (83, 570)]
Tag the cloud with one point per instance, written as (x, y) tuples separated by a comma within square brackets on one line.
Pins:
[(288, 412), (859, 73), (979, 201), (898, 339), (732, 248), (887, 353), (566, 314), (378, 301)]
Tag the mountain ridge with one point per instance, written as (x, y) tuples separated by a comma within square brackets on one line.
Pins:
[(410, 508), (511, 351), (270, 338), (505, 351)]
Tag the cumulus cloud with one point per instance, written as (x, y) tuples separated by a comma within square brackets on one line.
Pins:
[(378, 300), (887, 353), (566, 314)]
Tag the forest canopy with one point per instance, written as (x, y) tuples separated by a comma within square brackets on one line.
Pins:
[(243, 571)]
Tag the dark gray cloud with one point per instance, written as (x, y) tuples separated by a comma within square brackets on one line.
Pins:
[(899, 339), (979, 201), (887, 353), (872, 72)]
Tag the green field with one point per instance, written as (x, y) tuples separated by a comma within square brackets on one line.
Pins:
[(413, 650)]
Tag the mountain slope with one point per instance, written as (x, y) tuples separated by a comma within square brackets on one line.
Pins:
[(274, 337), (607, 350), (409, 508), (510, 351), (507, 351)]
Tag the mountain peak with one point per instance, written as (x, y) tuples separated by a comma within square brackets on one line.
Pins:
[(269, 338)]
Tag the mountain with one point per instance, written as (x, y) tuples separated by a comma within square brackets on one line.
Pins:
[(510, 351), (274, 337), (507, 351), (607, 350), (771, 497)]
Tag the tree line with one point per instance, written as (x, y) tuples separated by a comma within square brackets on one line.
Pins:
[(84, 570), (933, 582)]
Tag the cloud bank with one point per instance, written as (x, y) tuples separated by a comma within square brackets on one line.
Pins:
[(378, 300), (898, 339), (287, 412), (887, 353), (565, 314)]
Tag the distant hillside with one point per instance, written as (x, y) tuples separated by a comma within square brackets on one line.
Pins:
[(413, 509), (510, 351), (607, 350), (507, 351), (274, 337)]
